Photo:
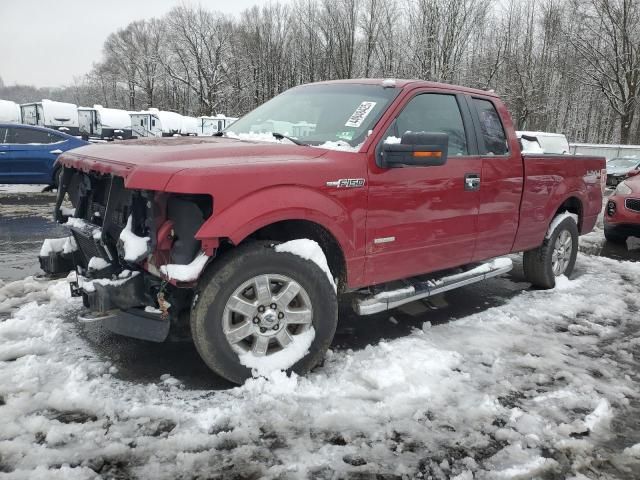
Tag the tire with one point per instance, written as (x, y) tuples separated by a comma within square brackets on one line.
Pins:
[(539, 263), (55, 179), (613, 236), (211, 316)]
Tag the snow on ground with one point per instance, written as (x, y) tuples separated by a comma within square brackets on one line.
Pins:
[(11, 188), (527, 389)]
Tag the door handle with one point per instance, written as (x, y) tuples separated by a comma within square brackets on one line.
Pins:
[(56, 151), (472, 182)]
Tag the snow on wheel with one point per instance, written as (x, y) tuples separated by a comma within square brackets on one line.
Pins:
[(263, 308), (557, 254)]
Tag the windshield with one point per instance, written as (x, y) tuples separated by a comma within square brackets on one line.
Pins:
[(330, 115), (623, 162)]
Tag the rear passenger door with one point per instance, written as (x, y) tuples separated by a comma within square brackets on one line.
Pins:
[(502, 179), (32, 154), (423, 218)]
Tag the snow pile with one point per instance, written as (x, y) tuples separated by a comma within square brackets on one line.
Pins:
[(392, 140), (97, 263), (257, 137), (531, 388), (89, 285), (309, 250), (135, 247), (282, 360), (186, 273), (340, 146), (56, 245)]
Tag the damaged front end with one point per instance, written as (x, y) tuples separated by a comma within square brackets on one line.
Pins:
[(133, 253)]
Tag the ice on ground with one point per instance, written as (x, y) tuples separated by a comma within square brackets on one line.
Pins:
[(521, 390), (56, 245), (309, 250), (186, 273), (135, 247), (282, 360)]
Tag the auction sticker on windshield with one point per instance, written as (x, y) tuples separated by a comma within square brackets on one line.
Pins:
[(360, 114)]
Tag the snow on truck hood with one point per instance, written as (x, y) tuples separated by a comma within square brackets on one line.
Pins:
[(160, 158)]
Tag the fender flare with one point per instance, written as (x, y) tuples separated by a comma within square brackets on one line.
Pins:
[(276, 204)]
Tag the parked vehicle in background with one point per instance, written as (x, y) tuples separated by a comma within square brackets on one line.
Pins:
[(209, 126), (619, 168), (607, 151), (28, 153), (55, 115), (155, 123), (9, 112), (190, 126), (104, 123), (622, 212), (543, 142), (393, 191)]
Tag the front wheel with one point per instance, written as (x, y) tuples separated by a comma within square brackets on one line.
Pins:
[(262, 310), (614, 236), (556, 256)]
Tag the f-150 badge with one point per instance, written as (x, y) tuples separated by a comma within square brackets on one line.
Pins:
[(347, 183)]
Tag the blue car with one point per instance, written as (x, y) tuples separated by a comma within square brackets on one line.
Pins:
[(28, 153)]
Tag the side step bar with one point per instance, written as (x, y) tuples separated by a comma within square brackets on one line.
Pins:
[(418, 289)]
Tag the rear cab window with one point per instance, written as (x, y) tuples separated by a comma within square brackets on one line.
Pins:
[(493, 139)]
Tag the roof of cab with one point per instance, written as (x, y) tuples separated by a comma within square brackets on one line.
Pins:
[(408, 83)]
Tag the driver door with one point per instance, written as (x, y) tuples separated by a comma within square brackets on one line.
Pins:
[(424, 218)]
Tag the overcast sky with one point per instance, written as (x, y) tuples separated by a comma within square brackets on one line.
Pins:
[(48, 42)]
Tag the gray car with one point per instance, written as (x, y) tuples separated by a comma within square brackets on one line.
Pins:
[(618, 169)]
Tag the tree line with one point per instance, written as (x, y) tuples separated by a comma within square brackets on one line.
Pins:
[(570, 66)]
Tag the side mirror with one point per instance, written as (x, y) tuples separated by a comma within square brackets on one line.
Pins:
[(419, 149)]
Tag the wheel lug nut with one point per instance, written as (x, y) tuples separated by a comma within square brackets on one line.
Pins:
[(263, 330), (256, 320), (273, 306), (261, 308), (276, 327), (281, 315)]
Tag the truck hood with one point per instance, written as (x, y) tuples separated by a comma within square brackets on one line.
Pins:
[(154, 161)]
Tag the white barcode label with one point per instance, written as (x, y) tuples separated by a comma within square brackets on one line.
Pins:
[(356, 119)]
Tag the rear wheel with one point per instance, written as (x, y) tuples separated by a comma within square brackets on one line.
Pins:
[(259, 308), (556, 256)]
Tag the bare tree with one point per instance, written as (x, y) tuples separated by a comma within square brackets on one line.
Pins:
[(608, 38)]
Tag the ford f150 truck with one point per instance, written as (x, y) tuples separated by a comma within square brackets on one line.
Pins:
[(387, 190)]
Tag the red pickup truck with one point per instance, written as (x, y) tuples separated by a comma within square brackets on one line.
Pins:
[(388, 190)]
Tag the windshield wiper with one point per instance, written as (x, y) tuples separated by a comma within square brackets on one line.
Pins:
[(280, 136)]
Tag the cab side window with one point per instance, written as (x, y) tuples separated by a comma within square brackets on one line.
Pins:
[(434, 112), (495, 140), (3, 135)]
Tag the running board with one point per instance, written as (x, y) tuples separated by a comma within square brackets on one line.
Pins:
[(418, 289)]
